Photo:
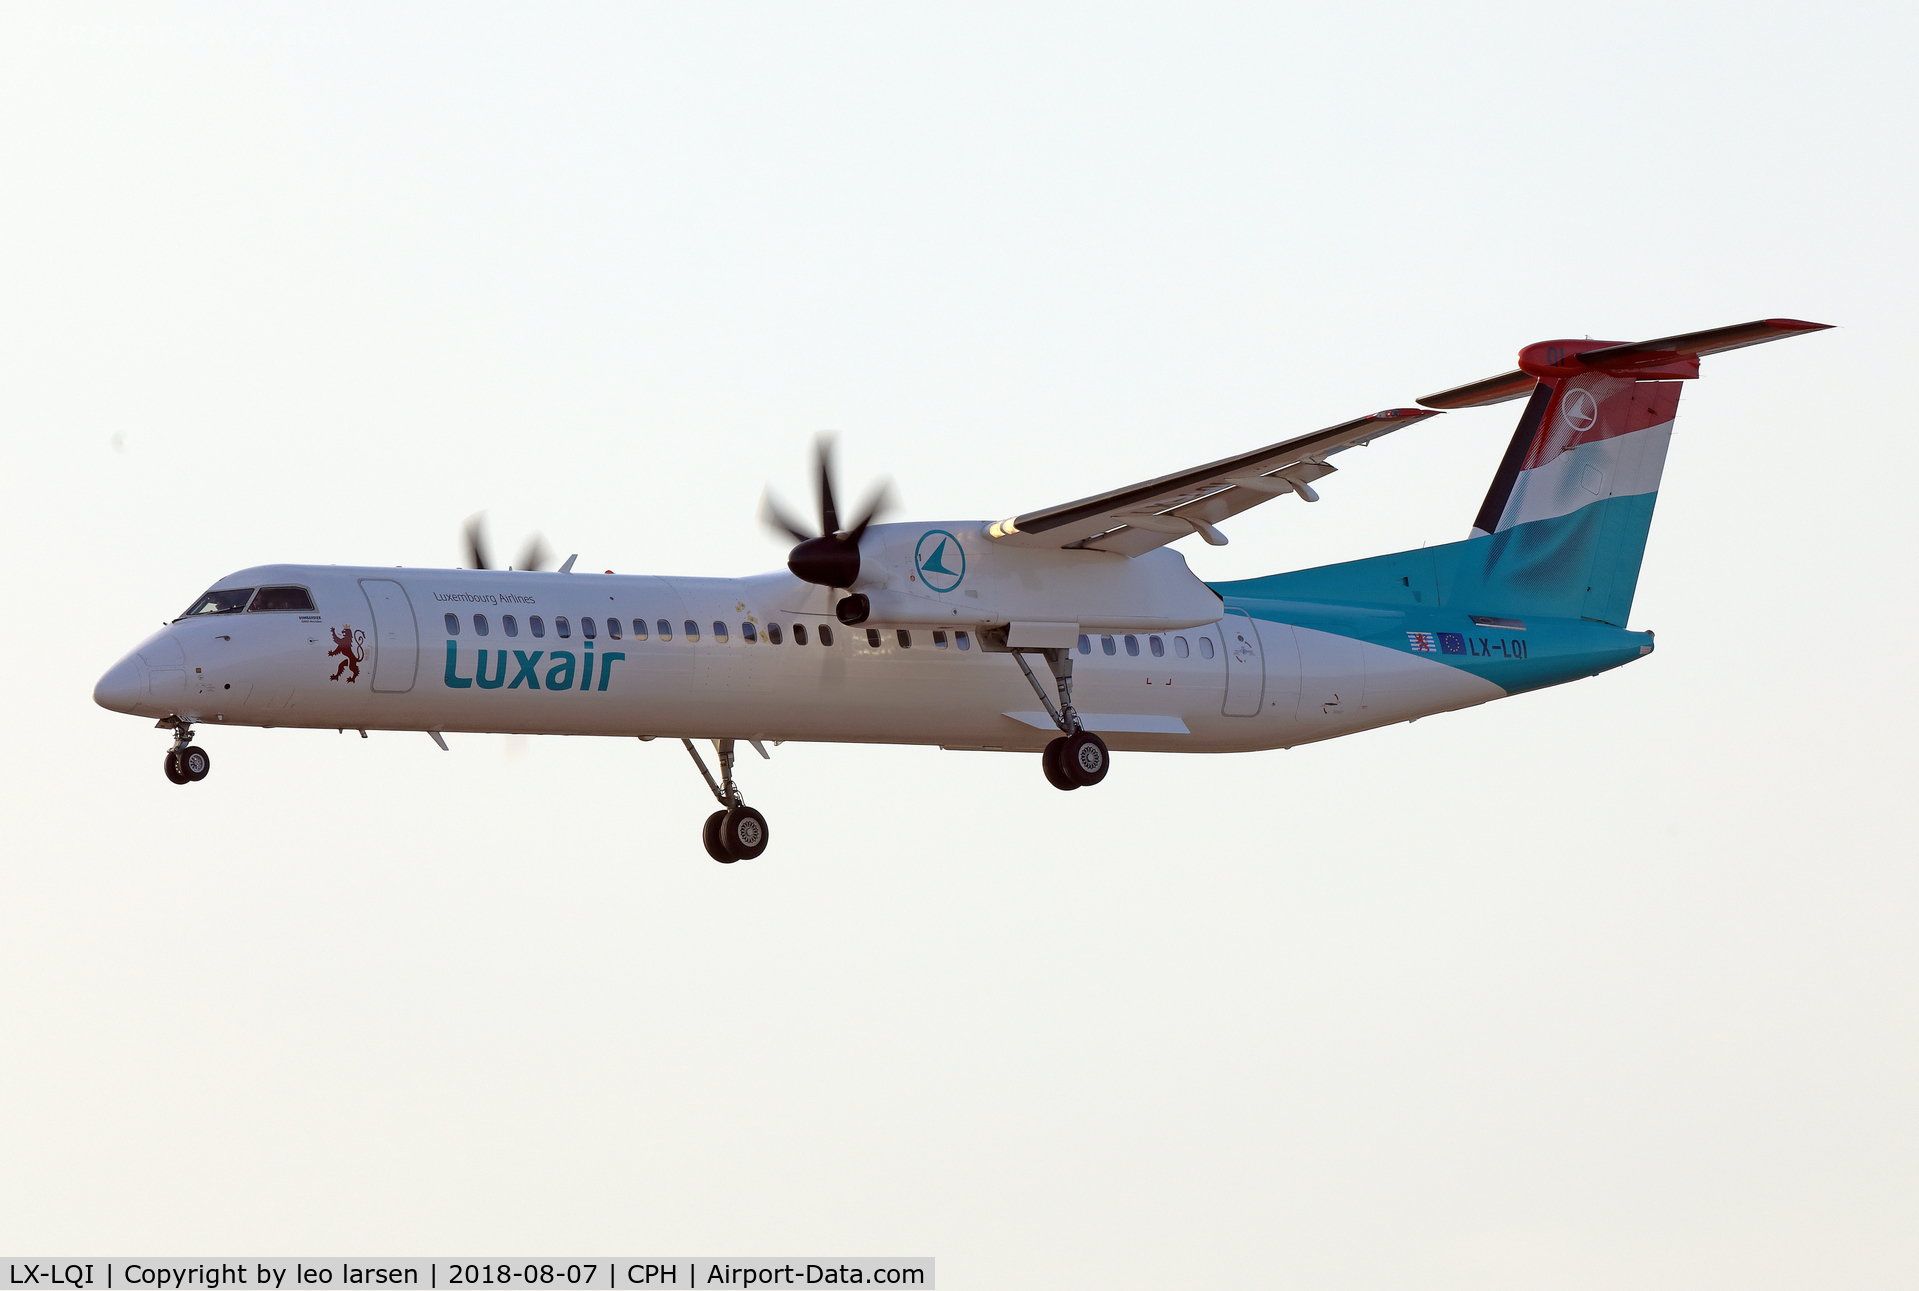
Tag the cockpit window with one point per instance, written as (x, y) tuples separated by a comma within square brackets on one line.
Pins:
[(281, 598), (229, 600)]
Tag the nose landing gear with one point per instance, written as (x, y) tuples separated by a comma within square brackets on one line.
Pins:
[(736, 832), (185, 762)]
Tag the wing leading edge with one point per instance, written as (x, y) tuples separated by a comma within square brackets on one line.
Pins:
[(1136, 519)]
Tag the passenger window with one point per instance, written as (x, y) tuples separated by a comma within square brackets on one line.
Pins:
[(799, 634), (873, 637), (282, 598), (665, 628), (1205, 647), (1106, 645), (719, 631), (537, 624), (639, 629), (452, 624), (231, 601), (589, 629), (773, 633), (479, 625), (1132, 646), (509, 625), (1158, 647), (1085, 644), (1180, 647), (826, 634), (748, 633), (613, 628), (939, 639), (692, 630), (906, 638), (964, 642), (562, 626)]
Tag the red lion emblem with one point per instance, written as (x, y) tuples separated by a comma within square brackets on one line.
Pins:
[(351, 647)]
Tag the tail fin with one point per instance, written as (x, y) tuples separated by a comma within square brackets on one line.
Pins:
[(1571, 504)]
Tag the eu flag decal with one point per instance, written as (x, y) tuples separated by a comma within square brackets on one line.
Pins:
[(1452, 643)]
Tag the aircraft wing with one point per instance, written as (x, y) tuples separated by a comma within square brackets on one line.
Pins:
[(1136, 519)]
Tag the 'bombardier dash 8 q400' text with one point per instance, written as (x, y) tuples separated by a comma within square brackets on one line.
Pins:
[(1070, 631)]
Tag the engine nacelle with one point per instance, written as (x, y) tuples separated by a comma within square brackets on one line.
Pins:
[(951, 575)]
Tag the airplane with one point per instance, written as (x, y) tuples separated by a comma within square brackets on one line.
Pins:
[(1072, 631)]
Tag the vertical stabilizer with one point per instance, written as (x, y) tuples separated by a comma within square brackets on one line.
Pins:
[(1570, 507)]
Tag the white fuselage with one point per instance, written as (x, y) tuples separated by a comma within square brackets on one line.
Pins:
[(1227, 685)]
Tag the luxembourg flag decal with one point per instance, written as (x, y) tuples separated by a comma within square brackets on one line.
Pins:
[(1423, 642)]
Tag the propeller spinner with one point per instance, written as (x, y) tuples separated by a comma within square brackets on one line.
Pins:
[(830, 558)]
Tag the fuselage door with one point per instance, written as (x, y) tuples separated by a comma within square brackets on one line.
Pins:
[(1245, 666), (396, 641)]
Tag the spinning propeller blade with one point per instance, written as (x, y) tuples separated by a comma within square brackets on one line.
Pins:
[(831, 557), (534, 555), (476, 543)]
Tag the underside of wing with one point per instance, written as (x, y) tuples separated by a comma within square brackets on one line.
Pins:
[(1136, 519)]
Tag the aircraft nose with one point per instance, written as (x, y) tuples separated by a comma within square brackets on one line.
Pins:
[(123, 686)]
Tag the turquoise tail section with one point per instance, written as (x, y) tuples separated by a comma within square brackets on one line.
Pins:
[(1540, 592), (1509, 607), (1579, 566)]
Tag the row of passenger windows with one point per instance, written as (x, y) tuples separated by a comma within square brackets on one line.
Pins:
[(775, 635), (616, 630), (1155, 643)]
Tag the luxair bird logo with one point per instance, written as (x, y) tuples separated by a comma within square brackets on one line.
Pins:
[(351, 647), (1580, 410), (940, 560)]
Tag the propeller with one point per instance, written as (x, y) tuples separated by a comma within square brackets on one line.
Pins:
[(830, 556), (534, 555)]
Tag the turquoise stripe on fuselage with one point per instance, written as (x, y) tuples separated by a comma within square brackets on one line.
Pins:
[(1553, 575)]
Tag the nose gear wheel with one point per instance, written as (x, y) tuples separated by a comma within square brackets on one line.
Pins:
[(186, 762)]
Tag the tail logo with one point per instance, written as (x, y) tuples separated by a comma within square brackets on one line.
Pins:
[(1579, 410)]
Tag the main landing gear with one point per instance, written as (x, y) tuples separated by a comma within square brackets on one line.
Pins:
[(1078, 759), (736, 832), (185, 762), (1075, 761)]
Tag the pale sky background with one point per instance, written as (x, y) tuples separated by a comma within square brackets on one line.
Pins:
[(1615, 984)]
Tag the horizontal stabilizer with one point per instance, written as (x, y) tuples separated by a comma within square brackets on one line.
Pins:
[(1667, 357), (1714, 340), (1481, 394)]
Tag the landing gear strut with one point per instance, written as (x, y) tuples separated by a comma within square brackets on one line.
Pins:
[(185, 763), (736, 832), (1078, 759)]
